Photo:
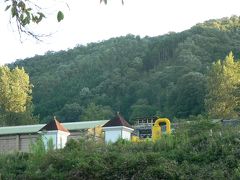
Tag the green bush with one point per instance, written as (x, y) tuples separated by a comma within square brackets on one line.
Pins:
[(209, 152)]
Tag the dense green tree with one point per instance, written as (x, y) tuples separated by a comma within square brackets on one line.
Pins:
[(189, 95), (223, 78), (187, 55), (142, 109), (70, 112), (96, 112), (15, 96)]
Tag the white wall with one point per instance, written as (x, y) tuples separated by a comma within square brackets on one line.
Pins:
[(112, 134), (126, 135), (59, 138), (50, 135)]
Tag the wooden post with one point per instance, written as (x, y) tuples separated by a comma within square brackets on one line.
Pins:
[(94, 133), (18, 142)]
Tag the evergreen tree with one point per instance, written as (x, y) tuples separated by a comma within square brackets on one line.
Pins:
[(15, 96), (221, 102)]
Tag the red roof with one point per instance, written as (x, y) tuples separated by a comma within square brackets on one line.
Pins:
[(118, 120), (54, 125)]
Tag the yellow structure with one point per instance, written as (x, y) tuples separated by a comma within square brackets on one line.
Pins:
[(156, 129), (135, 139)]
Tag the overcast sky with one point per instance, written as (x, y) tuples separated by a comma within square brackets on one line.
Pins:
[(89, 21)]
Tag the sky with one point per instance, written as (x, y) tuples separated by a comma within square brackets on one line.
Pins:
[(89, 21)]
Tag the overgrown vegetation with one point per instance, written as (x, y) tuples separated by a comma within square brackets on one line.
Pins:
[(197, 150)]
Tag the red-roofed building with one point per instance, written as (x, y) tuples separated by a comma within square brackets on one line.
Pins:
[(117, 128), (54, 125), (54, 131)]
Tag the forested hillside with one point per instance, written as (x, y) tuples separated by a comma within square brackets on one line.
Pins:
[(164, 75)]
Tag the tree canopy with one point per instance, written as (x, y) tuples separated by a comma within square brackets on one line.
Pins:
[(15, 96), (223, 81), (166, 75)]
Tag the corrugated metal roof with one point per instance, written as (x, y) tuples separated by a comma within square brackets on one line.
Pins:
[(84, 125), (28, 129)]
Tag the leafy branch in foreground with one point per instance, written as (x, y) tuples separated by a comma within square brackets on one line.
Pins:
[(24, 13)]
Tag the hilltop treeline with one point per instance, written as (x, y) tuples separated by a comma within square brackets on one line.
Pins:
[(164, 75)]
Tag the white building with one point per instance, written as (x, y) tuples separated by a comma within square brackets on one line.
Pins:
[(19, 138), (55, 132), (117, 128)]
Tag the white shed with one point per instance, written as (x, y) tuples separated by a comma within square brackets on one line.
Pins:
[(117, 128), (55, 132)]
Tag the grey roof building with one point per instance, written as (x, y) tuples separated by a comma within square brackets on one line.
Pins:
[(19, 138)]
